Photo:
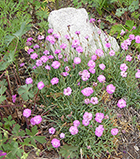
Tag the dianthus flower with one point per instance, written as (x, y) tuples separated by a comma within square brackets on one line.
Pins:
[(79, 49), (99, 52), (87, 37), (137, 75), (2, 153), (99, 117), (36, 120), (124, 46), (76, 123), (121, 103), (57, 36), (67, 68), (50, 56), (27, 113), (91, 64), (28, 43), (50, 31), (110, 88), (114, 131), (87, 116), (64, 74), (34, 56), (99, 131), (112, 53), (85, 75), (40, 37), (75, 43), (63, 46), (30, 50), (38, 63), (131, 36), (93, 57), (99, 31), (94, 100), (44, 59), (138, 57), (52, 130), (128, 58), (123, 74), (46, 52), (36, 46), (62, 135), (73, 130), (108, 45), (55, 64), (67, 37), (22, 64), (92, 20), (122, 32), (60, 56), (14, 98), (34, 67), (47, 67), (77, 32), (102, 66), (51, 39), (40, 85), (123, 67), (127, 41), (67, 91), (101, 78), (91, 70), (85, 122), (54, 80), (137, 39), (29, 39), (87, 101), (87, 91), (55, 143), (29, 80), (77, 60)]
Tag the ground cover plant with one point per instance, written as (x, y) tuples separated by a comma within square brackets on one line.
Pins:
[(73, 93)]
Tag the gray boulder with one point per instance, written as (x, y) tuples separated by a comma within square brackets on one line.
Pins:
[(68, 21)]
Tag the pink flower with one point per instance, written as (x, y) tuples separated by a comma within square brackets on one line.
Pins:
[(34, 67), (40, 85), (36, 120), (14, 98), (128, 58), (138, 57), (94, 57), (87, 91), (75, 43), (137, 39), (46, 52), (92, 20), (91, 64), (47, 67), (102, 66), (101, 78), (67, 37), (50, 31), (112, 53), (54, 80), (91, 70), (99, 32), (29, 39), (99, 131), (36, 46), (38, 63), (123, 67), (94, 100), (29, 80), (77, 32), (3, 154), (99, 20), (51, 39), (62, 135), (44, 59), (57, 36), (30, 50), (122, 32), (73, 130), (55, 143), (99, 52), (76, 123), (131, 36), (40, 37), (22, 64), (87, 116), (137, 75), (63, 46), (87, 101), (108, 45), (55, 64), (114, 131), (52, 130), (67, 68), (34, 56), (121, 103), (85, 122), (87, 37), (99, 117), (67, 91), (26, 113), (124, 46), (77, 60), (85, 75), (60, 56), (79, 49), (127, 41), (123, 74), (110, 88), (50, 56)]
